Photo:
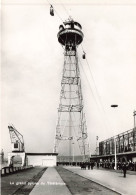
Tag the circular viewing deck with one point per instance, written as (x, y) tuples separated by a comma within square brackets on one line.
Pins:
[(70, 33)]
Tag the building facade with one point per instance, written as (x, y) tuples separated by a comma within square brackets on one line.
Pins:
[(125, 147), (42, 159)]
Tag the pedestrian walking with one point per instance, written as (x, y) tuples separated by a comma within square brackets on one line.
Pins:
[(124, 168), (92, 165), (97, 165), (88, 164)]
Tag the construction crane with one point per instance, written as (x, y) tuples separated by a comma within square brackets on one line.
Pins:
[(17, 140)]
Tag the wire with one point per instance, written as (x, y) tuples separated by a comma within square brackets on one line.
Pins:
[(59, 16), (93, 80), (65, 8), (55, 11), (97, 93), (88, 81), (92, 93)]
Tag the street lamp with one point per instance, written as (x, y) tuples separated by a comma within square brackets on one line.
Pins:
[(115, 106), (97, 145), (73, 150), (134, 118)]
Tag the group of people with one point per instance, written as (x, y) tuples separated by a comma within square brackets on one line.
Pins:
[(110, 165), (85, 165), (123, 166)]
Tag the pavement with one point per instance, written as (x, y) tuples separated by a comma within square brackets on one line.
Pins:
[(110, 179), (17, 182), (50, 184)]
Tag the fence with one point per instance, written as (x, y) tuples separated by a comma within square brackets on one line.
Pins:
[(11, 170)]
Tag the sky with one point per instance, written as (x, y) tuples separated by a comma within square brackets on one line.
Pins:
[(32, 63)]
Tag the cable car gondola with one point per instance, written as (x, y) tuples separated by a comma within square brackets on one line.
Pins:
[(51, 11), (84, 55)]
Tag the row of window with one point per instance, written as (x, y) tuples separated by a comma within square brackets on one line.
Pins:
[(124, 143)]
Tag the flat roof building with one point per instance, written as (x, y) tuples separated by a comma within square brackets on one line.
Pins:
[(125, 147), (42, 159)]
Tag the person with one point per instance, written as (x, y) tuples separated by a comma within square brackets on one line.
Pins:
[(97, 165), (83, 165), (88, 164), (92, 165), (124, 168)]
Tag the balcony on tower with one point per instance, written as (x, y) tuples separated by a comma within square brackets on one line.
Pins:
[(70, 35)]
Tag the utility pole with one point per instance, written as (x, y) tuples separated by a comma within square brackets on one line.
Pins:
[(134, 114), (73, 151), (115, 106), (97, 145)]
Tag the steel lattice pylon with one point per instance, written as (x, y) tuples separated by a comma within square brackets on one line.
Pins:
[(71, 126)]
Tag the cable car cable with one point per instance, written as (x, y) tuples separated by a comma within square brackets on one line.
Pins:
[(107, 126), (65, 8), (55, 10), (98, 96)]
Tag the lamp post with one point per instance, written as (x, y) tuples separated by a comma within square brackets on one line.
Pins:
[(115, 106), (97, 145), (73, 150), (134, 118)]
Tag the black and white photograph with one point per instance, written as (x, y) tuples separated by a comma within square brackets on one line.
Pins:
[(68, 97)]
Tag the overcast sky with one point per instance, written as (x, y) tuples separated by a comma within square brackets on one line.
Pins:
[(32, 63)]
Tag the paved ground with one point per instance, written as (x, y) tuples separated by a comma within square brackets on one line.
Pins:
[(81, 186), (16, 183), (50, 184), (113, 180), (67, 181), (59, 181)]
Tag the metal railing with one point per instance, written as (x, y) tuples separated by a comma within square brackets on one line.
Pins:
[(11, 170)]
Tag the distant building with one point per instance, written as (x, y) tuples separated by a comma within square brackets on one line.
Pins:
[(2, 157), (125, 147)]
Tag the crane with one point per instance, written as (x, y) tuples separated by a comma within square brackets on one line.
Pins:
[(17, 140)]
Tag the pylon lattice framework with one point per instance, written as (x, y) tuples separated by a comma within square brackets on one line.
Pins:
[(71, 126)]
